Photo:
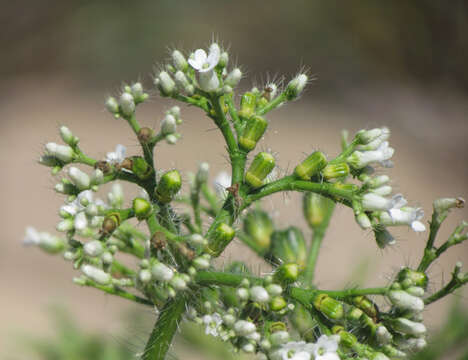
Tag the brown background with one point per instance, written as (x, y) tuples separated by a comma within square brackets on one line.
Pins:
[(59, 61)]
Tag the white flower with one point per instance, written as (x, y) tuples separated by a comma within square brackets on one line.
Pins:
[(202, 62), (374, 202), (404, 216), (326, 347), (213, 323), (117, 156), (32, 237), (382, 155), (294, 350), (82, 200), (221, 183)]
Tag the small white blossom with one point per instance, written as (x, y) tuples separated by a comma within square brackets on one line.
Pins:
[(81, 221), (127, 104), (404, 216), (161, 272), (117, 156), (244, 328), (93, 248), (213, 324), (221, 183), (202, 62), (374, 202), (294, 350), (326, 347)]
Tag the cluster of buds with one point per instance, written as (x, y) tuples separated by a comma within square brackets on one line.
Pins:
[(131, 96), (169, 125)]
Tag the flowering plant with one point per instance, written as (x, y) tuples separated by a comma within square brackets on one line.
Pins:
[(282, 315)]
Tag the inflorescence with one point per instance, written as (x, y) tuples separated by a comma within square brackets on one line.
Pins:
[(281, 315)]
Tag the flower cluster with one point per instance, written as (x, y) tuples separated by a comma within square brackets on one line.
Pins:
[(280, 315)]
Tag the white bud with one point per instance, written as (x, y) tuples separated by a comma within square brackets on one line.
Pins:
[(107, 258), (166, 84), (223, 59), (93, 248), (171, 139), (384, 190), (127, 104), (203, 171), (67, 136), (377, 181), (242, 293), (363, 221), (296, 86), (80, 221), (168, 125), (244, 328), (197, 239), (409, 327), (62, 152), (65, 225), (415, 291), (69, 255), (144, 276), (444, 204), (274, 289), (208, 81), (379, 356), (60, 188), (248, 348), (97, 177), (382, 335), (178, 283), (181, 80), (112, 105), (233, 77), (96, 274), (137, 91), (201, 263), (279, 337), (229, 319), (79, 178), (259, 294), (161, 272), (401, 299), (179, 61), (175, 111)]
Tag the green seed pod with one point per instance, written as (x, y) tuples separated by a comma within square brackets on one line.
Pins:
[(303, 322), (259, 226), (253, 131), (247, 105), (311, 165), (261, 166), (333, 171), (222, 236), (169, 185), (142, 208), (289, 246), (408, 278), (366, 305), (110, 223), (328, 306), (347, 339), (317, 210), (140, 167), (354, 314), (286, 273), (278, 303)]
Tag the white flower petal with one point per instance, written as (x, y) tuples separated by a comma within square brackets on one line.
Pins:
[(418, 226)]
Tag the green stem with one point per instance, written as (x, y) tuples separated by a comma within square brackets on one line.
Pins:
[(223, 278), (456, 282), (307, 296), (164, 329), (429, 252), (234, 116), (112, 290), (223, 124), (273, 104), (210, 197), (309, 270)]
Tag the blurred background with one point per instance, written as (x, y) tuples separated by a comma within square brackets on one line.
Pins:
[(402, 64)]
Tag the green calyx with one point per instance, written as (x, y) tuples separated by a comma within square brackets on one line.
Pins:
[(331, 308), (247, 105), (261, 166), (252, 133), (142, 208), (223, 235), (288, 246), (259, 227), (168, 186), (317, 210), (312, 165), (334, 171), (407, 278)]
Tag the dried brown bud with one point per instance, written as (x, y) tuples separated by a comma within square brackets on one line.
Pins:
[(145, 134)]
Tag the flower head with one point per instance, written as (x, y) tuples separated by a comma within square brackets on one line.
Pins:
[(404, 216), (117, 156), (202, 62), (213, 323), (326, 347)]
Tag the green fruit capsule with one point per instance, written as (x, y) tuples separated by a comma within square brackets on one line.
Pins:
[(333, 171), (222, 236), (247, 105), (168, 186), (328, 306), (140, 167), (253, 131), (313, 164), (259, 227), (287, 273), (317, 210), (408, 278), (289, 246), (142, 208), (261, 166)]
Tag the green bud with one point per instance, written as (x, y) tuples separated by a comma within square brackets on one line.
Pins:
[(142, 208), (222, 236), (286, 273), (365, 305), (383, 237), (278, 303), (317, 210), (311, 165), (354, 314), (259, 226), (169, 185), (347, 339), (110, 223), (247, 105), (408, 278), (328, 306), (140, 167), (289, 246), (253, 131), (333, 171), (261, 166), (296, 86), (303, 322)]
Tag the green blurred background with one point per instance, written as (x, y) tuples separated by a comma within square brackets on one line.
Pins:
[(397, 63)]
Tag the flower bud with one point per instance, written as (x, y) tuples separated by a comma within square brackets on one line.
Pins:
[(313, 164), (145, 276), (259, 294), (401, 299), (287, 273), (415, 291), (252, 133), (409, 277), (112, 105), (244, 328), (334, 171), (208, 81), (382, 335), (289, 246), (408, 327), (67, 136), (166, 85), (296, 86), (242, 293), (179, 61), (222, 236), (383, 237), (279, 337), (233, 77), (365, 305), (168, 186), (223, 59), (62, 152), (171, 139), (110, 223), (161, 272), (178, 283), (140, 167), (142, 208), (137, 92), (79, 178), (202, 173), (181, 80), (259, 227), (317, 210), (168, 125), (96, 274), (247, 105), (97, 177), (261, 166), (127, 104), (445, 204), (328, 306), (93, 248), (201, 263), (278, 303), (274, 289), (197, 239)]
